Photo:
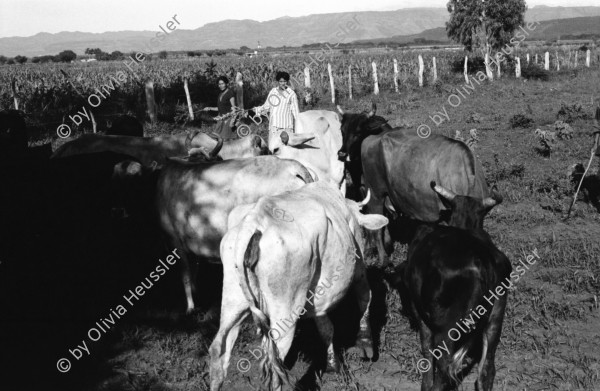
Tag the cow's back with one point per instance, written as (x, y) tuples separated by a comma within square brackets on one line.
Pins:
[(195, 200), (402, 164)]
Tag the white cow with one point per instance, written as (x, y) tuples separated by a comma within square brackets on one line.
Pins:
[(315, 144), (288, 256)]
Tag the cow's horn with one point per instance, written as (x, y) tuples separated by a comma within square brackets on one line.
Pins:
[(373, 110), (366, 200), (447, 194), (340, 110), (218, 147), (190, 137), (492, 201)]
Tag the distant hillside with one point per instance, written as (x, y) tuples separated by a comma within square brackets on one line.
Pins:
[(575, 28), (288, 31)]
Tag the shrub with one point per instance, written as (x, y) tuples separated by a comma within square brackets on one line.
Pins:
[(521, 121), (532, 71), (474, 65), (571, 113)]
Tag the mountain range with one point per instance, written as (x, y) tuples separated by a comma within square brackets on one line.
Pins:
[(401, 24)]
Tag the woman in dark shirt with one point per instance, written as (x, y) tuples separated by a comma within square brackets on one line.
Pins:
[(225, 105)]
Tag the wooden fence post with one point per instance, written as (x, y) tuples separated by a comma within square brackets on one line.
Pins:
[(498, 62), (307, 77), (350, 82), (434, 71), (588, 58), (151, 105), (547, 61), (189, 100), (527, 58), (375, 83), (576, 55), (15, 92), (395, 75), (331, 83), (421, 70), (239, 82), (518, 68), (466, 65), (557, 62)]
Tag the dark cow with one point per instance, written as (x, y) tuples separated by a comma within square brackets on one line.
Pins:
[(154, 151), (126, 125), (397, 165), (454, 280), (13, 132)]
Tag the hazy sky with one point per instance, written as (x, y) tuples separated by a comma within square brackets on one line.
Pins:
[(29, 17)]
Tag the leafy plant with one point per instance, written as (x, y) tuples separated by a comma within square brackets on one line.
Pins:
[(521, 121)]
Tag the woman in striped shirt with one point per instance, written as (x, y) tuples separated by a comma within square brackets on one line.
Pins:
[(282, 103)]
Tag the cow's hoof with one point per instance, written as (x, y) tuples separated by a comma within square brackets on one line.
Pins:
[(333, 364), (363, 347)]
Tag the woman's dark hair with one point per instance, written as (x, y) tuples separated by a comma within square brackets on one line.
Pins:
[(225, 80), (284, 75)]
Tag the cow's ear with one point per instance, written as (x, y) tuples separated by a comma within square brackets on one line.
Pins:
[(299, 139), (372, 222)]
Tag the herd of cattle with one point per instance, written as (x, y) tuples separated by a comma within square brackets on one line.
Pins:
[(276, 216)]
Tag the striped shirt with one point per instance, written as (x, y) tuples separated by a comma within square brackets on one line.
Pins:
[(283, 106)]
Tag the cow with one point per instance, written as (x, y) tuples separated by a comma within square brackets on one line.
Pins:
[(315, 144), (13, 132), (397, 164), (456, 274), (154, 151), (126, 125), (287, 256), (194, 200)]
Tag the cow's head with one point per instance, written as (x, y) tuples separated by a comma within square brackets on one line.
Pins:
[(289, 139), (201, 153), (466, 212), (355, 128), (371, 222)]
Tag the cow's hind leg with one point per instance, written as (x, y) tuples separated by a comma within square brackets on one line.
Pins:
[(363, 296), (325, 328), (234, 309), (375, 206), (188, 275), (491, 335), (426, 365), (277, 345)]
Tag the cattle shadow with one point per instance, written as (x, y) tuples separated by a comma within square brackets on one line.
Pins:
[(66, 262)]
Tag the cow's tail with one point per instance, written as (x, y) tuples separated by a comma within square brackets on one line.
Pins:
[(456, 365), (247, 256)]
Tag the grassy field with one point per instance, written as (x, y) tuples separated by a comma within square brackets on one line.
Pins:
[(551, 338)]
